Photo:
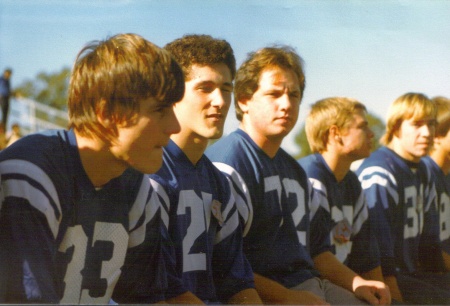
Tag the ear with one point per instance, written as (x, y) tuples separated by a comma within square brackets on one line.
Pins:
[(243, 105), (102, 116), (334, 135)]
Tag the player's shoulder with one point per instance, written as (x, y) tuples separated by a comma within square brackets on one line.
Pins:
[(46, 153), (382, 160), (286, 162), (45, 145), (229, 149), (313, 165)]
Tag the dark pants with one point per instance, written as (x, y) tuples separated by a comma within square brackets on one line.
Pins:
[(424, 288), (4, 102)]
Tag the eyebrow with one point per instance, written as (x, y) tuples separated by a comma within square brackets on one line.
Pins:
[(209, 82)]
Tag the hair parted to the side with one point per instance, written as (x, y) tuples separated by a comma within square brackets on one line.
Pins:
[(407, 106), (325, 113), (202, 50), (112, 76), (443, 115), (248, 74)]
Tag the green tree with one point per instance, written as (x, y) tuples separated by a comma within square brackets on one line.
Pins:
[(47, 88), (375, 123)]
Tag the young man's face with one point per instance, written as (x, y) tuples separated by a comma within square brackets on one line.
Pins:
[(273, 109), (356, 138), (415, 137), (140, 143), (204, 107), (444, 145)]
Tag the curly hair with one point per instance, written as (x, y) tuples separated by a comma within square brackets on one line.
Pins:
[(202, 50)]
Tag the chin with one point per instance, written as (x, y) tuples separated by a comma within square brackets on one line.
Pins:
[(150, 167)]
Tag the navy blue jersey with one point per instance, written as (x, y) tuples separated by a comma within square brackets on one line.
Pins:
[(346, 215), (442, 183), (204, 226), (402, 208), (62, 240), (275, 201)]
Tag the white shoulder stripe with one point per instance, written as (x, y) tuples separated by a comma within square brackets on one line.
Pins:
[(319, 197), (23, 189), (383, 182), (369, 171), (139, 204), (149, 208), (161, 192), (362, 212), (244, 206)]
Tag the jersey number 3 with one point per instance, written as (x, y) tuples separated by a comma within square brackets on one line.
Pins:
[(110, 270)]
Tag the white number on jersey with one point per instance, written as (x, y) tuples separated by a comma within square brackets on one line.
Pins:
[(291, 187), (110, 270), (200, 220), (414, 213), (444, 216)]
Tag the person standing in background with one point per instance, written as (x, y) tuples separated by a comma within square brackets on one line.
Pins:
[(14, 135), (5, 93)]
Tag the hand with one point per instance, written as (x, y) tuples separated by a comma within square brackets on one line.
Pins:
[(374, 292)]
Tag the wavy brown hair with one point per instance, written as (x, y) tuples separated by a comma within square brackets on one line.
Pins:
[(112, 77), (247, 76)]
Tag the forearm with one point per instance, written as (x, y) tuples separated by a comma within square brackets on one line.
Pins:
[(271, 292), (391, 281), (185, 298), (446, 257), (374, 274), (246, 296), (332, 269)]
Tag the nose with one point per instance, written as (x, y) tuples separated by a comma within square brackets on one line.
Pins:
[(427, 130), (219, 99), (285, 101), (172, 124)]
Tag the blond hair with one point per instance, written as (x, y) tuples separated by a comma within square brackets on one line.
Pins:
[(443, 115), (324, 113), (407, 106)]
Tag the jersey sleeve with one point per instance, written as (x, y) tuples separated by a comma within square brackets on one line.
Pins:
[(29, 220), (320, 219), (232, 272), (364, 255), (380, 189)]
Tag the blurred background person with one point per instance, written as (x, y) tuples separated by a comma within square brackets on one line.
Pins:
[(5, 93)]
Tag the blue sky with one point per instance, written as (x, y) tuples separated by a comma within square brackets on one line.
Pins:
[(373, 51)]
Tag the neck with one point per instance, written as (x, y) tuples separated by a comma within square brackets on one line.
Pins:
[(397, 147), (442, 159), (339, 165), (98, 162), (270, 145), (192, 145)]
